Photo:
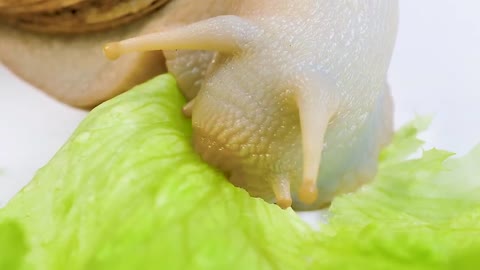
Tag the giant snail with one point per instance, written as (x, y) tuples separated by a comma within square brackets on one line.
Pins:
[(289, 98)]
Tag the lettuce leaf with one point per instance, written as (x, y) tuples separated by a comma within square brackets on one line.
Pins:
[(418, 214), (127, 191), (13, 247)]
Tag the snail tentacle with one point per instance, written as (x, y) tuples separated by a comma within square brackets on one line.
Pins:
[(281, 189), (225, 34), (315, 112)]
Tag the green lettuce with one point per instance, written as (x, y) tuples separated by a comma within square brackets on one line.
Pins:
[(12, 245), (419, 213), (127, 191)]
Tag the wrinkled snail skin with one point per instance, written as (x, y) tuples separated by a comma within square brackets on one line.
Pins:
[(295, 100)]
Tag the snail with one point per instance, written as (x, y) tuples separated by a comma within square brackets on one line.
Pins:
[(288, 98)]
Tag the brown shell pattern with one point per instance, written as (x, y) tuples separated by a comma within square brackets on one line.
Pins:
[(74, 16)]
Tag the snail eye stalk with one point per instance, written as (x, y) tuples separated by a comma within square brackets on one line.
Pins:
[(223, 33)]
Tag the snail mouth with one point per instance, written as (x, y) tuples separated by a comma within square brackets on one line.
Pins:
[(76, 16)]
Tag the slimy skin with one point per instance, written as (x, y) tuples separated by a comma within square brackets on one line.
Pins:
[(290, 99)]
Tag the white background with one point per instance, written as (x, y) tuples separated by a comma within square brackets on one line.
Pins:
[(435, 70)]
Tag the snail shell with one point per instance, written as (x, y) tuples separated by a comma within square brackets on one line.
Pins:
[(75, 16), (71, 67)]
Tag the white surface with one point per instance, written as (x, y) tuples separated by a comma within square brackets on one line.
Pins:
[(435, 70), (32, 128)]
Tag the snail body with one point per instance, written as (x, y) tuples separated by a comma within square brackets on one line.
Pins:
[(294, 99), (288, 98)]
